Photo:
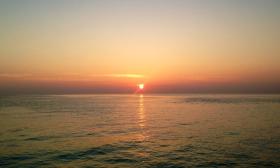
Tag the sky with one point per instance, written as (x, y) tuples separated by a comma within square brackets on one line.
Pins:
[(110, 46)]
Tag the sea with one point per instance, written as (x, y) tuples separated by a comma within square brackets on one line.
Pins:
[(140, 130)]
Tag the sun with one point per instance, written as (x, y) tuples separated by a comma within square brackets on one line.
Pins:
[(141, 86)]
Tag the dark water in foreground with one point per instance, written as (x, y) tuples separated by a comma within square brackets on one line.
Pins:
[(140, 131)]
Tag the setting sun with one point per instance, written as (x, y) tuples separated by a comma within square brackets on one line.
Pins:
[(141, 86)]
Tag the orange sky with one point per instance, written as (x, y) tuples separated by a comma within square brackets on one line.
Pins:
[(111, 46)]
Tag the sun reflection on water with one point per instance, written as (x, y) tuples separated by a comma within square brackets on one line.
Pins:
[(141, 112), (142, 118)]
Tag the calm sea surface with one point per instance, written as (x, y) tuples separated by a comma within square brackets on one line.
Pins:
[(140, 131)]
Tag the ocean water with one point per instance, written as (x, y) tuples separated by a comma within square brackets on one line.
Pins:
[(140, 131)]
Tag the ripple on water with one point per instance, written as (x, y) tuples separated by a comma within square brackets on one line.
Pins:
[(96, 151), (232, 100)]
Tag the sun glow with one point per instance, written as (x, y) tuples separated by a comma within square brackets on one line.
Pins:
[(141, 86)]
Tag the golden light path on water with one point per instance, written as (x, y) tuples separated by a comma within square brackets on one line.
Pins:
[(142, 118)]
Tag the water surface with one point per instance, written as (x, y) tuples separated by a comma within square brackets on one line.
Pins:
[(140, 131)]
